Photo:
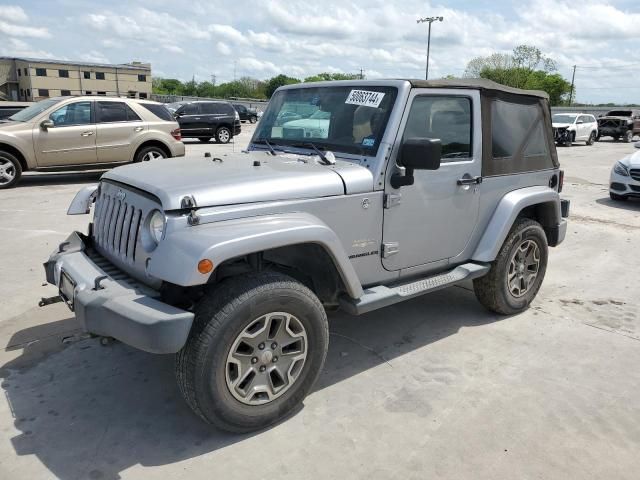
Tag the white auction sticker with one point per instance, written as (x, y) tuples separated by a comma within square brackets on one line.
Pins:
[(364, 97)]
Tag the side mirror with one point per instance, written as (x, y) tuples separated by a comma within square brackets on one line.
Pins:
[(417, 154), (47, 124)]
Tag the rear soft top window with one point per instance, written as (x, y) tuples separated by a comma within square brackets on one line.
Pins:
[(159, 111), (619, 113)]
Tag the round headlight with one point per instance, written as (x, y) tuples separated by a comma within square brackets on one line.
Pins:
[(156, 225)]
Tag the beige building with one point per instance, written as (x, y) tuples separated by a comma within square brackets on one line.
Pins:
[(30, 79)]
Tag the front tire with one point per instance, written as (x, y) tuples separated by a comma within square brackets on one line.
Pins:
[(627, 137), (150, 153), (256, 348), (223, 135), (253, 119), (517, 272), (10, 170)]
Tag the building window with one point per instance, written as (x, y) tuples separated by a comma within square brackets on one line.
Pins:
[(28, 92), (131, 94), (19, 72), (41, 72), (87, 75), (99, 75), (65, 93), (43, 92), (88, 92), (63, 73), (21, 92), (142, 95), (142, 78), (102, 93), (26, 72)]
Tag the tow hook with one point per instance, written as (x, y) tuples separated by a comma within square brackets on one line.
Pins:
[(44, 301)]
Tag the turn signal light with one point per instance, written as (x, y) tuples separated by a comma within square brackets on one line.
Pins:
[(177, 134), (205, 266)]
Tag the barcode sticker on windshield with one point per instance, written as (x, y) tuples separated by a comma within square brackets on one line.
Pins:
[(364, 97)]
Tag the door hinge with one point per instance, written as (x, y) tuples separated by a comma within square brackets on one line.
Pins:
[(392, 199), (390, 248)]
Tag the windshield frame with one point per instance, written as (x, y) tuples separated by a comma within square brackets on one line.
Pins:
[(274, 110), (34, 110), (573, 117)]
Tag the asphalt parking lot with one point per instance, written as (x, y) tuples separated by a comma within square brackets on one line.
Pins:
[(436, 387)]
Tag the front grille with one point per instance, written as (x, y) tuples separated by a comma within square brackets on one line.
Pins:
[(116, 226), (635, 174), (635, 188)]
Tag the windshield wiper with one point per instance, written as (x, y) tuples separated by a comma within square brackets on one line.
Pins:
[(327, 157), (269, 146)]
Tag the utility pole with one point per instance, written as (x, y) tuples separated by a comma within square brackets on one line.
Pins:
[(361, 73), (429, 20), (235, 63), (213, 82), (573, 77)]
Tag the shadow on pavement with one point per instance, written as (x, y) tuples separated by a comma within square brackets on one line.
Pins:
[(87, 411), (59, 178), (632, 204)]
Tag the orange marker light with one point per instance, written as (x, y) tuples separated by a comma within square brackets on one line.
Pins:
[(205, 266)]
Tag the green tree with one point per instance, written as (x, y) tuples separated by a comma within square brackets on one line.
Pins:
[(276, 82), (327, 77)]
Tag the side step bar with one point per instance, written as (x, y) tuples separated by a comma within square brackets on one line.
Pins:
[(383, 296)]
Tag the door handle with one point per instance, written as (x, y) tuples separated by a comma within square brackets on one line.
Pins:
[(138, 129), (197, 118), (469, 180), (86, 134)]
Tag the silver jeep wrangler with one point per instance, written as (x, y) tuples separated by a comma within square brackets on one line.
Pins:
[(355, 194)]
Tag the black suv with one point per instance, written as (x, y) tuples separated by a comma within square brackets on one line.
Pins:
[(245, 113), (204, 120)]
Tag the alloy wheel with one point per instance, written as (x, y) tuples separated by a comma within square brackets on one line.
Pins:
[(266, 358), (152, 156), (7, 171), (523, 268)]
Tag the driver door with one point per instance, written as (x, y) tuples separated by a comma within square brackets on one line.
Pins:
[(433, 219), (72, 138)]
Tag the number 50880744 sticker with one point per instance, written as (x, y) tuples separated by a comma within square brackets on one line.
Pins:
[(364, 97)]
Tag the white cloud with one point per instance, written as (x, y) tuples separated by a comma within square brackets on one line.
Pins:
[(14, 14), (23, 30), (19, 48), (223, 48), (94, 56), (173, 48), (229, 33)]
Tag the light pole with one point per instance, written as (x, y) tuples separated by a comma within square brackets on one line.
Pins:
[(430, 20)]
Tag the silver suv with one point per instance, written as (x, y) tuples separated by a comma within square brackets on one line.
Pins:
[(391, 189), (85, 131)]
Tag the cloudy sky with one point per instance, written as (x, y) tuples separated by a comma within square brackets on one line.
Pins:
[(263, 38)]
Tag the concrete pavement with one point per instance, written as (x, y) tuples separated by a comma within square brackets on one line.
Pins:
[(432, 388)]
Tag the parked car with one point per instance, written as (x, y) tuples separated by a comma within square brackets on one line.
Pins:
[(205, 120), (574, 127), (315, 125), (9, 108), (95, 132), (246, 114), (419, 185), (624, 181), (619, 124)]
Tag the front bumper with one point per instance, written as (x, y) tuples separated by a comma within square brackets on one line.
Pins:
[(556, 234), (120, 308), (623, 185)]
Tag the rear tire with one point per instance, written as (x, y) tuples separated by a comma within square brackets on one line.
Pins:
[(223, 135), (150, 153), (592, 138), (10, 170), (617, 198), (226, 369), (253, 119), (627, 137), (204, 139), (517, 272)]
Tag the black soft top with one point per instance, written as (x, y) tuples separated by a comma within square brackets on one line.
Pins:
[(482, 84)]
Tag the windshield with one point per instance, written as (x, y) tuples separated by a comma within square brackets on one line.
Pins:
[(619, 113), (563, 118), (30, 112), (346, 119)]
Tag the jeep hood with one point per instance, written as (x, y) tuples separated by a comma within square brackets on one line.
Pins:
[(234, 179), (561, 125)]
